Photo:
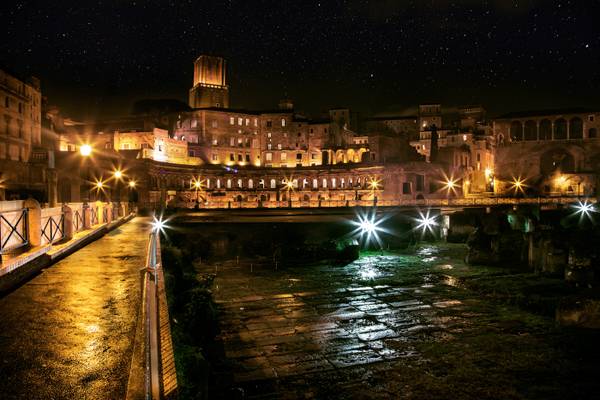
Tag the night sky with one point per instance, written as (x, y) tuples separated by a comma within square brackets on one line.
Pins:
[(96, 57)]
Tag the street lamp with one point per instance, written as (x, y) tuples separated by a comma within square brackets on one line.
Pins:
[(197, 185), (118, 175)]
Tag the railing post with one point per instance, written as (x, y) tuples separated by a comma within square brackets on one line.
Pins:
[(67, 222), (86, 213), (34, 222)]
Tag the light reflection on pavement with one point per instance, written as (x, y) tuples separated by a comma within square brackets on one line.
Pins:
[(293, 330), (68, 332)]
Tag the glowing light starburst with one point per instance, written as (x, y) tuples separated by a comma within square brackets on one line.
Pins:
[(158, 224), (368, 227), (426, 222), (518, 185), (584, 209)]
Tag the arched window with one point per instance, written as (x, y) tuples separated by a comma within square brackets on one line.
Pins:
[(560, 129), (228, 183), (218, 184), (250, 184), (575, 128), (207, 183), (592, 133), (273, 184), (531, 130), (545, 129), (342, 183), (295, 183), (261, 184), (239, 183), (333, 183), (324, 183), (304, 183), (315, 184), (516, 131)]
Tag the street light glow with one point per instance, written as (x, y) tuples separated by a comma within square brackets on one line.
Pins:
[(518, 184), (158, 224), (368, 227), (118, 174), (584, 209), (85, 150), (99, 184), (374, 184), (425, 222), (132, 184)]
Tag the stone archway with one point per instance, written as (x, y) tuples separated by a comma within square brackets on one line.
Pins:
[(557, 159)]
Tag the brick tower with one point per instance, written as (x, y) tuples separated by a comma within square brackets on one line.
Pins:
[(210, 86)]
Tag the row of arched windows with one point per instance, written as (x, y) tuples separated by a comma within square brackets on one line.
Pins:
[(547, 130), (296, 183)]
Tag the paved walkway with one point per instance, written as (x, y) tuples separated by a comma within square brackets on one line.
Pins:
[(68, 333)]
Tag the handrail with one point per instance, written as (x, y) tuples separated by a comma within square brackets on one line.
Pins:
[(13, 230), (151, 323)]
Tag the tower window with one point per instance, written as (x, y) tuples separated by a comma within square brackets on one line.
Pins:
[(282, 121), (231, 120), (269, 124)]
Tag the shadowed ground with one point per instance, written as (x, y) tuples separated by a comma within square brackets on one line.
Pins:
[(388, 326)]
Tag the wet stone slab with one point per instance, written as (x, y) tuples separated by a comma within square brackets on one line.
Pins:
[(325, 331)]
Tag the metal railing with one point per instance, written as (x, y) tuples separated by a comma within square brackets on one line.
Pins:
[(93, 216), (160, 379), (439, 202), (13, 230), (78, 222), (54, 228)]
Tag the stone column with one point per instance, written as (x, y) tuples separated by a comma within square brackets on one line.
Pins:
[(34, 222), (52, 182), (67, 222)]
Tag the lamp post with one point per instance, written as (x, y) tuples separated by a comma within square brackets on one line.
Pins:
[(85, 150), (118, 176), (197, 186)]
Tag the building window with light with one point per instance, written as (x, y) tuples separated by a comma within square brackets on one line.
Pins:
[(268, 156), (247, 121), (215, 157), (194, 123), (283, 122), (269, 146), (231, 120), (240, 121), (283, 156)]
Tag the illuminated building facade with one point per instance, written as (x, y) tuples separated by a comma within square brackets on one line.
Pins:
[(556, 152), (23, 160)]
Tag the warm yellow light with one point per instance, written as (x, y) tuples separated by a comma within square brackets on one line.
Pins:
[(197, 184), (488, 172), (561, 179), (450, 184), (132, 184), (518, 184), (118, 174), (373, 184), (85, 150), (99, 184)]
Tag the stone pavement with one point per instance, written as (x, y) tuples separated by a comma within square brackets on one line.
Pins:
[(327, 331), (68, 332)]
